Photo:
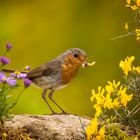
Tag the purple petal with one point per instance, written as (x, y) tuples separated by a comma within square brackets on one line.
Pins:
[(27, 82), (13, 74), (4, 60), (11, 82), (27, 68), (2, 76), (19, 75), (8, 46), (23, 75)]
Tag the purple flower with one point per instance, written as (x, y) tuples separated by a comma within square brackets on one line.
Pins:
[(13, 74), (11, 81), (2, 77), (27, 68), (8, 80), (8, 46), (19, 75), (27, 82), (4, 60)]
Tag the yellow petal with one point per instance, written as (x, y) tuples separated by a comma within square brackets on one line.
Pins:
[(136, 69), (128, 1), (138, 38), (132, 58), (102, 132), (17, 72), (126, 26), (138, 3), (134, 7), (93, 95)]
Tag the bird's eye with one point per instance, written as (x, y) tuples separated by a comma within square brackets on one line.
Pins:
[(75, 55)]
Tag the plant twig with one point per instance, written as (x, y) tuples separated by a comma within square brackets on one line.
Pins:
[(133, 109), (84, 131), (17, 98), (128, 34)]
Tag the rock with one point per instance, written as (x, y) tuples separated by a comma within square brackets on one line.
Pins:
[(49, 127)]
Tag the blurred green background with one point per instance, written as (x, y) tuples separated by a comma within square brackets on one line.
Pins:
[(40, 30)]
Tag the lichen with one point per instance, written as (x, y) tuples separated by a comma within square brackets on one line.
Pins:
[(11, 134), (114, 132)]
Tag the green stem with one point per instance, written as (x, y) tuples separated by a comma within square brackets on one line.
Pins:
[(84, 131), (134, 109), (116, 112), (128, 34), (1, 65), (5, 53), (17, 98)]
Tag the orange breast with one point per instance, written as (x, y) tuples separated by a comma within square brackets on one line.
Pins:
[(69, 70)]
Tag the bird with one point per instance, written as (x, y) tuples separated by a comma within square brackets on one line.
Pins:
[(58, 73)]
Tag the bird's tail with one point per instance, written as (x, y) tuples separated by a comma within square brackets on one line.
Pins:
[(12, 71)]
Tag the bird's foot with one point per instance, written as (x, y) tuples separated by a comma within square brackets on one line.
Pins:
[(64, 113), (52, 113)]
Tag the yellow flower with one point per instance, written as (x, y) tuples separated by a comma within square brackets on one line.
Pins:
[(134, 7), (100, 99), (94, 124), (138, 33), (138, 38), (128, 1), (110, 119), (93, 95), (4, 135), (114, 84), (111, 87), (136, 69), (98, 110), (127, 65), (108, 102), (125, 98), (138, 3), (116, 103), (126, 26), (97, 95), (92, 129), (101, 133), (89, 132), (17, 72), (93, 132), (100, 90)]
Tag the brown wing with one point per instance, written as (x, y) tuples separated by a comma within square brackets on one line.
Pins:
[(50, 68)]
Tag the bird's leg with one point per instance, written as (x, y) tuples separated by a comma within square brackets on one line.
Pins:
[(44, 97), (50, 96)]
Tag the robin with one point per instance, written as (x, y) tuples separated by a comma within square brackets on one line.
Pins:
[(57, 73)]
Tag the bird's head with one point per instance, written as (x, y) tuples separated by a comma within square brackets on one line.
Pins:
[(77, 56)]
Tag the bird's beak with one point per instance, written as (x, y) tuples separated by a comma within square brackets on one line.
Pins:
[(86, 64)]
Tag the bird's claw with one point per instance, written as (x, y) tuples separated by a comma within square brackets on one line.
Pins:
[(64, 113)]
